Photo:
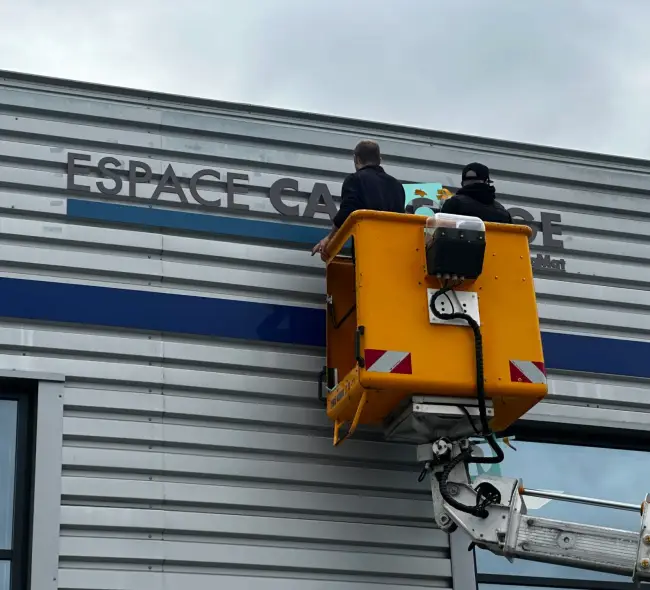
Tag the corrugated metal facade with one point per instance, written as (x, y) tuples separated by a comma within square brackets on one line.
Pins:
[(201, 454)]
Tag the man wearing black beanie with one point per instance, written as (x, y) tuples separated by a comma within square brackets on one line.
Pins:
[(476, 197)]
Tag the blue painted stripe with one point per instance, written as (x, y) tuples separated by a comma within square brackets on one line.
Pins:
[(160, 312), (594, 354), (224, 318), (275, 231)]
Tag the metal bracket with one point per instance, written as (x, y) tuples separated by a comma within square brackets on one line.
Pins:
[(454, 302), (357, 346), (355, 422), (329, 378), (427, 418)]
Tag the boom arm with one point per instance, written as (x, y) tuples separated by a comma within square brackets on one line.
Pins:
[(505, 528)]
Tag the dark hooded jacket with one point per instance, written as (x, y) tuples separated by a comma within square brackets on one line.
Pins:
[(477, 200), (369, 188)]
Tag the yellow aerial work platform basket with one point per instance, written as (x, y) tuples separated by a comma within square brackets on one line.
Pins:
[(385, 344)]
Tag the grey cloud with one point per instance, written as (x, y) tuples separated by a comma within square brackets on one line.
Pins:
[(562, 72)]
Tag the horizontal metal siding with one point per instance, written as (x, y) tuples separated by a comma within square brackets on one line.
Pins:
[(210, 462), (174, 460), (201, 472), (194, 461)]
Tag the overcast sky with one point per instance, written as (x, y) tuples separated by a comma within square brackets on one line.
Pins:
[(570, 73)]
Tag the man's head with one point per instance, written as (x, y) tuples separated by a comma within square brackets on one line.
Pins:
[(366, 153), (475, 172)]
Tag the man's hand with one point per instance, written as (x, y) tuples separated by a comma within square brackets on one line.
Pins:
[(321, 248)]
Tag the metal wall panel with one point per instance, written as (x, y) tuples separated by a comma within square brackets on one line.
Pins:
[(193, 462)]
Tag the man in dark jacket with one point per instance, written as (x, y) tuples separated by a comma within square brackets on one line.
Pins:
[(476, 197), (367, 188)]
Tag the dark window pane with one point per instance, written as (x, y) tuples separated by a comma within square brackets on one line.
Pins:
[(508, 587), (609, 474), (5, 575), (8, 421)]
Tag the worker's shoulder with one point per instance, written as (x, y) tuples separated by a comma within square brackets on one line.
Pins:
[(354, 174), (451, 204), (351, 184), (388, 179), (498, 205), (352, 178), (373, 172), (373, 178), (503, 211)]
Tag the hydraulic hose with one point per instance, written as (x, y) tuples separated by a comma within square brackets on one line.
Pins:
[(478, 510)]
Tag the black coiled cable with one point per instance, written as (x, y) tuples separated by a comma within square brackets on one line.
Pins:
[(478, 510)]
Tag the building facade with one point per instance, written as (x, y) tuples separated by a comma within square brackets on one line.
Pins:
[(163, 328)]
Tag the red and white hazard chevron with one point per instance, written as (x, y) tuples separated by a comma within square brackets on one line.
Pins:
[(527, 372), (388, 361)]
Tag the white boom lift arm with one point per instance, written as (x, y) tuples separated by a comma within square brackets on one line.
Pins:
[(500, 522)]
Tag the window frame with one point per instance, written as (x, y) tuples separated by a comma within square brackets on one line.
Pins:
[(24, 392), (517, 581), (603, 437), (582, 436)]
